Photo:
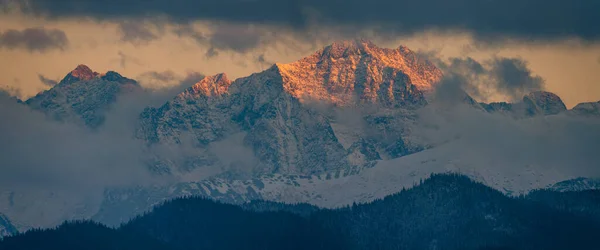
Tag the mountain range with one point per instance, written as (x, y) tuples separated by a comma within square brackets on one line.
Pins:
[(342, 125)]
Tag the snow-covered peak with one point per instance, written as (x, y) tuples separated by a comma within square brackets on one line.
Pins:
[(83, 96), (350, 71)]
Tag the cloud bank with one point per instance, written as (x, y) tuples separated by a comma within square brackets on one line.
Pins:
[(37, 39), (507, 78), (488, 20), (40, 153)]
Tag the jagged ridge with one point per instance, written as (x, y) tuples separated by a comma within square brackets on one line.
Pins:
[(276, 109)]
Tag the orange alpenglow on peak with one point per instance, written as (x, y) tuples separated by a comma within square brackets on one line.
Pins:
[(83, 72), (215, 85), (339, 71)]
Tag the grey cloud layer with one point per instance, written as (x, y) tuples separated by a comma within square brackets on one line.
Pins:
[(508, 77), (239, 38), (39, 153), (34, 39), (136, 32), (525, 19)]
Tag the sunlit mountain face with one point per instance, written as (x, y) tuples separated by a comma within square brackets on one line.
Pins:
[(232, 127)]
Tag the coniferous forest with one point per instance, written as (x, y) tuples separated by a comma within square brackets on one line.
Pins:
[(446, 211)]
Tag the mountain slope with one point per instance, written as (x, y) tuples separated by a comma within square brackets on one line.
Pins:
[(6, 228), (82, 96)]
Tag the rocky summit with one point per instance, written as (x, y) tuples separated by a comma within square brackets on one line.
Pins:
[(347, 72)]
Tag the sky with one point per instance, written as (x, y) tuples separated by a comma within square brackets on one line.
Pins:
[(42, 40)]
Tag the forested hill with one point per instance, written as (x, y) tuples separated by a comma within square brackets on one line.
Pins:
[(443, 212)]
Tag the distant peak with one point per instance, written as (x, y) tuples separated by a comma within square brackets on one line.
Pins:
[(214, 85), (543, 95), (83, 72), (587, 108), (548, 102)]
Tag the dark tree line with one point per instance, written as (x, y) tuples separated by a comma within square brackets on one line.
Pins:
[(444, 212)]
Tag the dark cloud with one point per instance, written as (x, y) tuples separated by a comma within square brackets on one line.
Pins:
[(165, 76), (488, 19), (47, 81), (262, 60), (125, 59), (192, 78), (508, 77), (136, 32), (239, 38), (189, 31), (211, 52), (34, 39), (169, 77), (514, 78)]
